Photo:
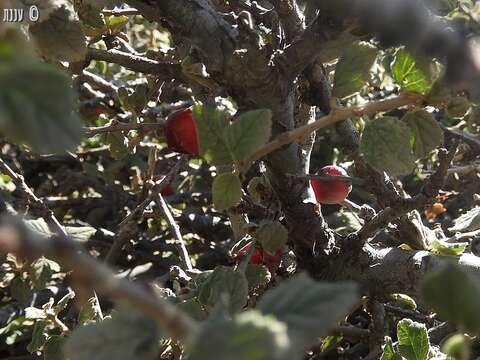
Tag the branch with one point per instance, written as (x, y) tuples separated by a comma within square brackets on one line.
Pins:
[(179, 243), (115, 126), (15, 238), (136, 63), (333, 117)]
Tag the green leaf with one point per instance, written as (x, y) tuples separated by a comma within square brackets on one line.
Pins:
[(257, 276), (227, 283), (36, 102), (411, 74), (89, 312), (53, 348), (248, 133), (249, 335), (41, 272), (458, 106), (457, 346), (39, 337), (405, 301), (454, 295), (353, 69), (127, 335), (272, 236), (413, 342), (226, 191), (258, 187), (385, 145), (439, 95), (210, 124), (445, 248), (118, 144), (115, 23), (309, 308), (389, 352), (427, 134), (194, 309), (60, 37), (470, 221)]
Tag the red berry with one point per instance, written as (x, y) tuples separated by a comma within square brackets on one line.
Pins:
[(331, 192), (167, 189), (257, 255), (181, 132)]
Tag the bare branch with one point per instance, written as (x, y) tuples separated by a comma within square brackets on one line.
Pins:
[(116, 126), (333, 117), (137, 63)]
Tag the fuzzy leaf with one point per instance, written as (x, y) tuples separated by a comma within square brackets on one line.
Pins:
[(272, 236), (353, 69), (454, 295), (426, 133), (60, 37), (385, 145), (308, 307), (413, 342), (411, 74), (248, 133), (226, 191), (224, 281)]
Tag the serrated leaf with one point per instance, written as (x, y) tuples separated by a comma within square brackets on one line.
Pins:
[(470, 221), (256, 187), (194, 309), (60, 37), (224, 282), (92, 16), (210, 124), (249, 335), (389, 352), (454, 295), (226, 191), (89, 311), (272, 236), (41, 272), (353, 68), (127, 335), (309, 308), (39, 337), (39, 226), (248, 133), (427, 134), (458, 106), (385, 145), (411, 74), (445, 248), (413, 342), (257, 275), (118, 144), (36, 102)]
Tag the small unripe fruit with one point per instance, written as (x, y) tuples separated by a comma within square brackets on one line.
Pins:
[(167, 189), (331, 192), (181, 132)]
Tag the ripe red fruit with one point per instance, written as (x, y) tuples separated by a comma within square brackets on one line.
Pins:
[(181, 132), (257, 255), (331, 192), (262, 257), (167, 190)]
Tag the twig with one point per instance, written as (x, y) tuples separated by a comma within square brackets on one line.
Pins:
[(120, 126), (326, 177), (136, 63), (179, 243), (15, 238), (333, 117)]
